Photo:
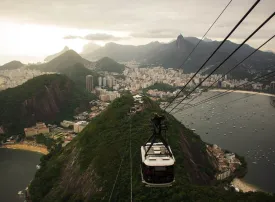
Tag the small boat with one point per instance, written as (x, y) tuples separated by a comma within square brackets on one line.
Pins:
[(20, 193), (193, 129), (254, 162)]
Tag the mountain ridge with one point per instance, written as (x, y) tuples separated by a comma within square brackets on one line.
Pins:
[(172, 54)]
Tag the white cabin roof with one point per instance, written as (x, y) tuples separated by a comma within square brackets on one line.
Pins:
[(157, 155)]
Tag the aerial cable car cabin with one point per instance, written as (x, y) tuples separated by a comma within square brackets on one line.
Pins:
[(157, 166)]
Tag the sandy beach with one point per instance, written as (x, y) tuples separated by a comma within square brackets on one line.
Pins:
[(42, 150), (242, 91), (244, 186)]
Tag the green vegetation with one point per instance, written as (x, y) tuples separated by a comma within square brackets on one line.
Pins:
[(48, 142), (77, 73), (49, 98), (86, 169), (162, 87), (108, 64)]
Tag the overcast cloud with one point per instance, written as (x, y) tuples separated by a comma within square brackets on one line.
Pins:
[(95, 37), (190, 16)]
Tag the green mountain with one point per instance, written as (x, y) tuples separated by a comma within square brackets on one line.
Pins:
[(62, 62), (78, 73), (108, 64), (86, 169), (50, 57), (49, 98), (72, 65), (11, 65), (172, 55)]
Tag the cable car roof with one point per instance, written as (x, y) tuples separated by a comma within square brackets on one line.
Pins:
[(157, 155)]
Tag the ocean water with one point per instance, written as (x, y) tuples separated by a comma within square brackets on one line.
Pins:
[(245, 126), (17, 169)]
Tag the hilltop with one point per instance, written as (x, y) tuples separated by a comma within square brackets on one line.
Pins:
[(50, 57), (11, 65), (62, 62), (86, 169), (108, 64), (50, 98)]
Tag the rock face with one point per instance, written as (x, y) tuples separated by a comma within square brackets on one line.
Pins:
[(179, 41), (48, 98), (48, 104)]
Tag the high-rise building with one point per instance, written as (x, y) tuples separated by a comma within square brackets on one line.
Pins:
[(100, 81), (89, 83), (110, 82), (114, 82), (104, 81)]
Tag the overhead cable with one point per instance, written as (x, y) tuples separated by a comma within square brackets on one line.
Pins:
[(215, 69), (230, 33)]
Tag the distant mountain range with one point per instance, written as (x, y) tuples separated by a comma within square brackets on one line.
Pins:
[(168, 55), (69, 58), (171, 55), (90, 47)]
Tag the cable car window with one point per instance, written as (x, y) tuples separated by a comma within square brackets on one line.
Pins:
[(160, 168)]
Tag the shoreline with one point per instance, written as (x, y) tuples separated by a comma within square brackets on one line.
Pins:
[(244, 186), (242, 91), (26, 147)]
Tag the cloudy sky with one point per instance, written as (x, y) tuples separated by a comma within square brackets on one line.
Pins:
[(33, 29)]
